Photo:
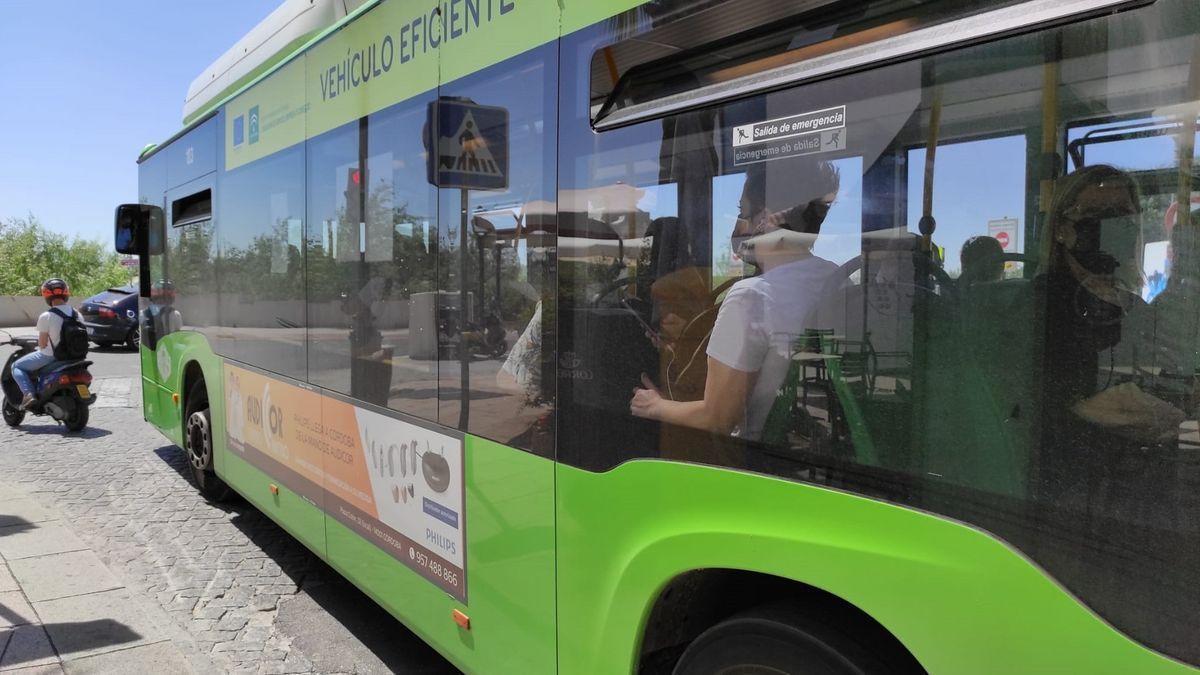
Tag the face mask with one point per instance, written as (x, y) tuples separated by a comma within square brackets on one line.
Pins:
[(743, 230), (1102, 245), (811, 218)]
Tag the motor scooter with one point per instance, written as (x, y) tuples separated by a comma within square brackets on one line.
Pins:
[(62, 388)]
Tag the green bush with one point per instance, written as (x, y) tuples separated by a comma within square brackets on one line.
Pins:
[(30, 254)]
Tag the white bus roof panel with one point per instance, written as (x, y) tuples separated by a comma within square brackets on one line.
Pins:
[(273, 38)]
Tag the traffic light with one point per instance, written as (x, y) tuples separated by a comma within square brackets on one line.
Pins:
[(354, 187)]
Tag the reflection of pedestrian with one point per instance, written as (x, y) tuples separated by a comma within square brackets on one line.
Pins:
[(522, 370), (466, 140), (164, 318)]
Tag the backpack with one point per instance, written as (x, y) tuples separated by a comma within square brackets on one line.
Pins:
[(72, 339)]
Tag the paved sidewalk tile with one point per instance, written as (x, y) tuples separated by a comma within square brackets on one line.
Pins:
[(63, 574), (15, 610), (84, 625), (7, 582), (160, 657), (15, 510), (25, 646), (28, 541)]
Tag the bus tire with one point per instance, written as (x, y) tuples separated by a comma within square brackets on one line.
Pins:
[(776, 639), (198, 446)]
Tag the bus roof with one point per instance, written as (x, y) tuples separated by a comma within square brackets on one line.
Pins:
[(291, 25)]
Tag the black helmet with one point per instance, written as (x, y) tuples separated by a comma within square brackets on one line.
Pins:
[(55, 288)]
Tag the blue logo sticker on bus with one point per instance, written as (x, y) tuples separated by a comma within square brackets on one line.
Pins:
[(253, 115), (440, 512), (239, 130)]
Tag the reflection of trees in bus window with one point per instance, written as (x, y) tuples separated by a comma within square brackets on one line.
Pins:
[(192, 253), (260, 215)]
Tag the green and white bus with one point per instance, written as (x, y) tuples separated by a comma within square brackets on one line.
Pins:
[(704, 336)]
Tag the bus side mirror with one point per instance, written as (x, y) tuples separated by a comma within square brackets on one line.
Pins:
[(138, 229)]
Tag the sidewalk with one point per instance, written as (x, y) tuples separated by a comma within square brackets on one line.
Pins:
[(63, 611)]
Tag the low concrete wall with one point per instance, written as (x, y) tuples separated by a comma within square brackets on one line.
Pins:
[(20, 311)]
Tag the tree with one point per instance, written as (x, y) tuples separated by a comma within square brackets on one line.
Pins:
[(30, 254)]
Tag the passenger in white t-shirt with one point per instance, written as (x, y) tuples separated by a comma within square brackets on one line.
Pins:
[(783, 206)]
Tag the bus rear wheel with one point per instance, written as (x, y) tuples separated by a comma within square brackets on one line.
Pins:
[(198, 445), (776, 640)]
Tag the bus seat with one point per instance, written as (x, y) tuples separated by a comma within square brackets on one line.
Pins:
[(979, 393)]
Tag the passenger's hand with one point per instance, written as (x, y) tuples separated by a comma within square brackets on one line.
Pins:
[(647, 400)]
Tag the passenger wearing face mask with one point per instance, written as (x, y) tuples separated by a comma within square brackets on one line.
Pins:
[(1090, 311), (782, 208)]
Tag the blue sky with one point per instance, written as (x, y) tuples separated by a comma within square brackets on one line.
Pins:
[(87, 84)]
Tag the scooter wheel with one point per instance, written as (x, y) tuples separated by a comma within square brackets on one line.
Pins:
[(13, 416), (78, 418)]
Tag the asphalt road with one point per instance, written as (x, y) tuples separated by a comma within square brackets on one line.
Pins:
[(248, 595)]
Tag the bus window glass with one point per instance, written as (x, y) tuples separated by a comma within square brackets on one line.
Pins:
[(978, 191), (193, 155), (401, 207), (261, 284), (188, 297), (917, 283), (371, 262), (494, 305), (152, 188), (1147, 148), (333, 253)]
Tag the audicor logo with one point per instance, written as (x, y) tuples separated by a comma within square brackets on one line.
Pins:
[(571, 367), (268, 417)]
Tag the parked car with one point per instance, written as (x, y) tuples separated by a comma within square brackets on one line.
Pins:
[(111, 316)]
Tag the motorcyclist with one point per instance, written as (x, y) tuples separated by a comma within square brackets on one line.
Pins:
[(56, 293)]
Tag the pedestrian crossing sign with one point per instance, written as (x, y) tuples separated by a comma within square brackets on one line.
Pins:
[(471, 145)]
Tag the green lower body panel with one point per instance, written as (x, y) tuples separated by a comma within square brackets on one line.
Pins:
[(509, 568), (958, 599), (506, 519)]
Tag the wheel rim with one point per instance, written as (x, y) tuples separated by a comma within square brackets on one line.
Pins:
[(199, 442)]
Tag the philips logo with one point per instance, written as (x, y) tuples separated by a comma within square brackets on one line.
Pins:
[(239, 130)]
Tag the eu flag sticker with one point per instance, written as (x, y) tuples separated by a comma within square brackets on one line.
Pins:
[(239, 130), (253, 115)]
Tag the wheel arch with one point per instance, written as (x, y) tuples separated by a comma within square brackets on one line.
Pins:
[(193, 372), (694, 600)]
